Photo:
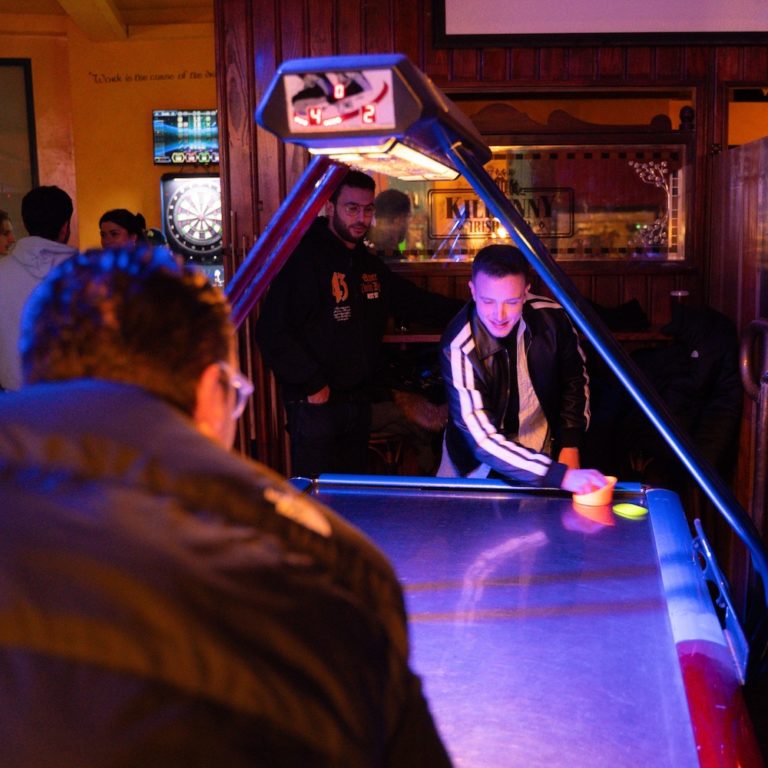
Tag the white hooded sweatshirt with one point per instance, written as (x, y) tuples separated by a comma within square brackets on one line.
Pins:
[(20, 273)]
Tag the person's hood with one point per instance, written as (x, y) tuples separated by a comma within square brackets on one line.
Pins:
[(39, 256)]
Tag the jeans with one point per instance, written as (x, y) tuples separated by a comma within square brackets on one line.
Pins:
[(330, 437)]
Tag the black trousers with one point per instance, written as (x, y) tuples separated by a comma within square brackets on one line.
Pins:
[(332, 437)]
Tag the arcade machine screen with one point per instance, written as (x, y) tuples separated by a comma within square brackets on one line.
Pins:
[(183, 136)]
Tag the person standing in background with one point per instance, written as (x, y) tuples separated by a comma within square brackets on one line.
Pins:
[(321, 329), (119, 228), (46, 213), (391, 214), (164, 602), (7, 237)]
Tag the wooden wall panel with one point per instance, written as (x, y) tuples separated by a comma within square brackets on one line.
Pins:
[(408, 30), (377, 23), (319, 31), (610, 63), (524, 64), (465, 66), (582, 64), (553, 66), (493, 66), (348, 27), (639, 63)]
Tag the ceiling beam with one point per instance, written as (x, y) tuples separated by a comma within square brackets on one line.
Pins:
[(99, 20)]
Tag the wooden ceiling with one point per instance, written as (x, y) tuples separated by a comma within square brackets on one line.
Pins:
[(103, 20)]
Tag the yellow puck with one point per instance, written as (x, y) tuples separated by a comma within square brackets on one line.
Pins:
[(632, 511)]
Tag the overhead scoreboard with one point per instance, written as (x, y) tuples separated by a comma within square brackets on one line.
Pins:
[(377, 112)]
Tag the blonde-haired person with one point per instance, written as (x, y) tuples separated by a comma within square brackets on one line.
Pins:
[(7, 236)]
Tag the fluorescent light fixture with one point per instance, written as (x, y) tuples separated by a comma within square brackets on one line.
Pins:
[(392, 158)]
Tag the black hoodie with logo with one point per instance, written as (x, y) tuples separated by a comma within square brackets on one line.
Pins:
[(324, 316)]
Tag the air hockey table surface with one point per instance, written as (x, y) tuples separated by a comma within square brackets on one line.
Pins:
[(552, 635)]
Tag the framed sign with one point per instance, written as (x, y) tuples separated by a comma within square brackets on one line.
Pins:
[(585, 202), (476, 23), (18, 151)]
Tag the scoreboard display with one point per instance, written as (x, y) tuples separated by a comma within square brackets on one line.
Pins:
[(374, 104), (356, 100)]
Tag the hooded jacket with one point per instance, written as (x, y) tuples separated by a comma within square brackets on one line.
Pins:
[(476, 370), (165, 603), (324, 316), (20, 273)]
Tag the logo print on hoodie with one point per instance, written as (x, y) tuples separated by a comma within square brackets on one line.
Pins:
[(339, 287), (340, 293)]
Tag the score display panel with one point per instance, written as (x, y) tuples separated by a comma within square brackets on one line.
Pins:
[(364, 104), (355, 100)]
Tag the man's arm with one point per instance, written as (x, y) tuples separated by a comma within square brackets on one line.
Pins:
[(414, 304), (574, 397), (281, 330), (470, 414)]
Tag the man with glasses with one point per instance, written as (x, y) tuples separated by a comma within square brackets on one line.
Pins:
[(162, 601), (321, 329)]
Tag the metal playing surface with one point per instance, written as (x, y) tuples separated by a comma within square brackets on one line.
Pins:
[(542, 636)]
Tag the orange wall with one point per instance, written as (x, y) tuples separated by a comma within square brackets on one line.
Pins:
[(93, 110), (43, 40), (115, 87)]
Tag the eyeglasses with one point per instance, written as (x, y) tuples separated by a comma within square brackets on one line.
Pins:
[(353, 209), (242, 386)]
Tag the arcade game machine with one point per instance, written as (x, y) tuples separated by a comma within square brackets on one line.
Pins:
[(546, 634), (191, 202)]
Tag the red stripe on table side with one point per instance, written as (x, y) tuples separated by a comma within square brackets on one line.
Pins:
[(721, 724)]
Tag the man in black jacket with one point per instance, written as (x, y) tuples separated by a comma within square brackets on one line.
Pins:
[(517, 383), (162, 601), (321, 329)]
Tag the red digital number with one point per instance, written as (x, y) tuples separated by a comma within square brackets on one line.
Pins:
[(315, 115), (368, 114)]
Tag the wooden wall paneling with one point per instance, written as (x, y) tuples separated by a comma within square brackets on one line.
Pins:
[(523, 64), (235, 92), (729, 63), (552, 66), (435, 61), (659, 288), (408, 29), (605, 290), (611, 63), (377, 22), (669, 63), (639, 63), (291, 30), (583, 284), (582, 63), (320, 25), (349, 29), (465, 65), (635, 286), (698, 62), (756, 63), (493, 65)]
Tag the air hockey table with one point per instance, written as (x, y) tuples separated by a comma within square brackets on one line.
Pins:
[(546, 634), (550, 634)]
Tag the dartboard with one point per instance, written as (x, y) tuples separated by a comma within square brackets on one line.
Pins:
[(193, 216)]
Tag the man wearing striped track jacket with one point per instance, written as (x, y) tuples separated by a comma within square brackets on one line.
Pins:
[(517, 384)]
